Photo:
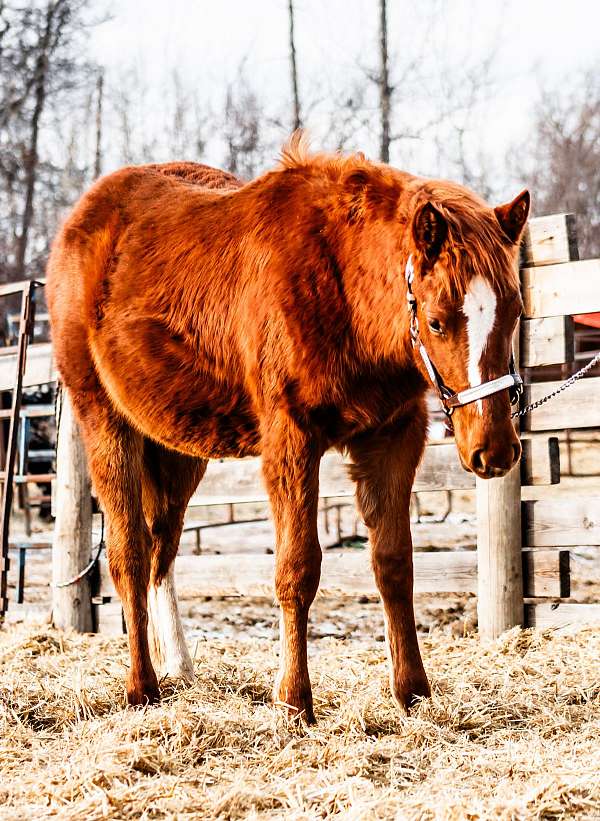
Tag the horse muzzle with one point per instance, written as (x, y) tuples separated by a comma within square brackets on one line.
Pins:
[(492, 461)]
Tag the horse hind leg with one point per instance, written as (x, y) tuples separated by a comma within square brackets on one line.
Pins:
[(169, 479), (114, 452), (168, 648)]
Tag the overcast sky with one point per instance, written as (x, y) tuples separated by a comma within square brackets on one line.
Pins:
[(534, 41)]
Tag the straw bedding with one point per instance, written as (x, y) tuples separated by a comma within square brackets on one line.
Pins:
[(512, 732)]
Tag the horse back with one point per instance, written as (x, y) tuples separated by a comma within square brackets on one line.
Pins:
[(87, 256), (203, 175)]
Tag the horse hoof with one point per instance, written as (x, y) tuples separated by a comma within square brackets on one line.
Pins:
[(142, 693), (296, 701), (409, 694), (179, 674)]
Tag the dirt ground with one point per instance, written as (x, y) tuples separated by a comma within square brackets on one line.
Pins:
[(512, 733)]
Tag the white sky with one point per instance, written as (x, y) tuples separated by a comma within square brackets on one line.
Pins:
[(537, 41)]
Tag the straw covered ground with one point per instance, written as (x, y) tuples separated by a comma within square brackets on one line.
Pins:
[(512, 732)]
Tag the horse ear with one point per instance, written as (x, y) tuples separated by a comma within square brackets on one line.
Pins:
[(429, 230), (513, 216)]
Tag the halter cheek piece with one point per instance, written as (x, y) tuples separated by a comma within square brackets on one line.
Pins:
[(449, 399)]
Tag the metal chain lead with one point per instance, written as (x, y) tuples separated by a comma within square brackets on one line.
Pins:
[(567, 384)]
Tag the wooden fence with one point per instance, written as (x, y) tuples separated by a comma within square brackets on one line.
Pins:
[(525, 522)]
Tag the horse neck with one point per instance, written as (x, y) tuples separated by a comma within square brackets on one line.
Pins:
[(374, 272)]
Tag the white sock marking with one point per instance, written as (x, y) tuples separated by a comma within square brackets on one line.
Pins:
[(282, 661), (480, 309), (388, 649), (166, 631)]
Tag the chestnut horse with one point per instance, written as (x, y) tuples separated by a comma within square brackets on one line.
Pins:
[(195, 317)]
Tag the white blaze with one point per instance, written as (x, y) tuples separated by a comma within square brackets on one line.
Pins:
[(480, 309), (165, 631)]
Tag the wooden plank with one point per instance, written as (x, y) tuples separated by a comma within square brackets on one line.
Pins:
[(108, 618), (29, 478), (38, 544), (561, 615), (566, 522), (550, 239), (441, 470), (577, 407), (28, 613), (546, 573), (569, 288), (342, 573), (349, 574), (546, 341), (540, 462), (240, 480), (39, 370)]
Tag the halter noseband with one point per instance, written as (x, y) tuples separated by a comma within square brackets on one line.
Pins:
[(450, 399)]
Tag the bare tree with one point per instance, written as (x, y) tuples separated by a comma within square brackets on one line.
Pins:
[(293, 68), (243, 129), (385, 91), (157, 124), (562, 161), (426, 107), (40, 60), (51, 29), (99, 102), (188, 120), (131, 101), (350, 116)]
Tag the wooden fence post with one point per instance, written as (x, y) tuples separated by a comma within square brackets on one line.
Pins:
[(72, 542), (547, 241), (499, 549)]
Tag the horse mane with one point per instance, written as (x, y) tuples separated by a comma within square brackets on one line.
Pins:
[(296, 153), (475, 245)]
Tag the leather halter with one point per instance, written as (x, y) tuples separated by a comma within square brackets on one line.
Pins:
[(451, 399)]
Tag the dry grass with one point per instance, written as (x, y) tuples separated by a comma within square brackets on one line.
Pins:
[(513, 732)]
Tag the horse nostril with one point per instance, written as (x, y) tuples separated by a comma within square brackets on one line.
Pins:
[(477, 459)]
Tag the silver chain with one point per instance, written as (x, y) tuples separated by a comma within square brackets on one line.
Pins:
[(567, 384)]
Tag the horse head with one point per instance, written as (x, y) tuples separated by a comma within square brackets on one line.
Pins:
[(465, 301)]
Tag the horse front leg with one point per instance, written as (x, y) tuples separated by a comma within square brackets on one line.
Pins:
[(384, 468), (291, 471)]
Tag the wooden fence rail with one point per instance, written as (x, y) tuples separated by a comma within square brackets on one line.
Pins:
[(347, 573)]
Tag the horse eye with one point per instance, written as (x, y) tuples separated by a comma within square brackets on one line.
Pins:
[(436, 327)]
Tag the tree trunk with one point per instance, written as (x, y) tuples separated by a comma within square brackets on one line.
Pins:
[(385, 91), (31, 157), (294, 70), (99, 101)]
